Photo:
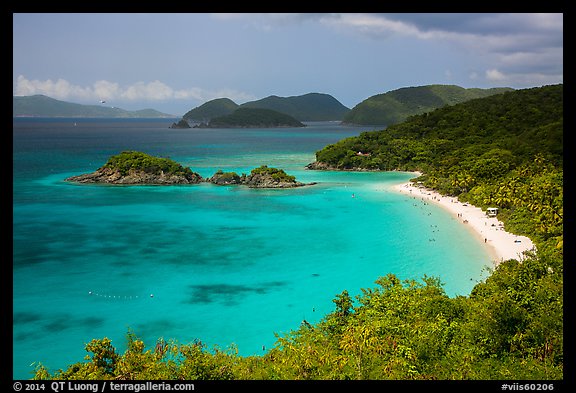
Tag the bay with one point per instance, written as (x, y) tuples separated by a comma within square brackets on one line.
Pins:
[(222, 265)]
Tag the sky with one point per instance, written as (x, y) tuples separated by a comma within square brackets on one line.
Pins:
[(176, 62)]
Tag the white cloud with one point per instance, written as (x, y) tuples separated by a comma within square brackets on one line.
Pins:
[(58, 89), (523, 79), (494, 75), (153, 91), (372, 25), (106, 90), (109, 91), (269, 21)]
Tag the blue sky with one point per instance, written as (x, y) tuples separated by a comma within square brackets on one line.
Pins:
[(175, 62)]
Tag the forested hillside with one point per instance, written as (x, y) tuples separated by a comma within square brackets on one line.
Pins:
[(253, 118), (211, 109), (397, 105), (307, 107)]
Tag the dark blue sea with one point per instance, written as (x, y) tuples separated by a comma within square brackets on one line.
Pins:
[(229, 266)]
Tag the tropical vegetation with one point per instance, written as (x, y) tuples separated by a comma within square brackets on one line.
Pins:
[(138, 161), (275, 173)]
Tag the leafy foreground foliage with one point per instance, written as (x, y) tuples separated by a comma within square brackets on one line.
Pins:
[(510, 327)]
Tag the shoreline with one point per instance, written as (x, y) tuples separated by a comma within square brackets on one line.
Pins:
[(501, 245)]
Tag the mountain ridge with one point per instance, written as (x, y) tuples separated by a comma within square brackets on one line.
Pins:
[(40, 105), (252, 118), (306, 107), (210, 109), (397, 105)]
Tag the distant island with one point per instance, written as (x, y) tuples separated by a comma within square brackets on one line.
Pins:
[(210, 110), (252, 118), (137, 168), (43, 106), (398, 105), (307, 107)]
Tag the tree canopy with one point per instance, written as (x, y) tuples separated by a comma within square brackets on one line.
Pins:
[(253, 118), (135, 160)]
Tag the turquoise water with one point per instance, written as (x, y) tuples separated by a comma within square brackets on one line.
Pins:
[(224, 265)]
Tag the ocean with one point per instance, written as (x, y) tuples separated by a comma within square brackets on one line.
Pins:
[(224, 265)]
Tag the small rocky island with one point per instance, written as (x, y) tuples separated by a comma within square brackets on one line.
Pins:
[(262, 177), (136, 168), (182, 124), (132, 167)]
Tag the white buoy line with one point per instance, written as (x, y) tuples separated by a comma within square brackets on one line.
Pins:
[(119, 297)]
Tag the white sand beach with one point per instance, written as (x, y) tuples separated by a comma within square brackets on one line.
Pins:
[(501, 245)]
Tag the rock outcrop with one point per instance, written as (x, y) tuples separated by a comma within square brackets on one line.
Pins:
[(319, 166), (180, 125), (226, 178), (266, 180), (114, 176), (133, 167)]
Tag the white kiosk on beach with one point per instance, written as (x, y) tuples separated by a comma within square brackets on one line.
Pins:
[(492, 211)]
